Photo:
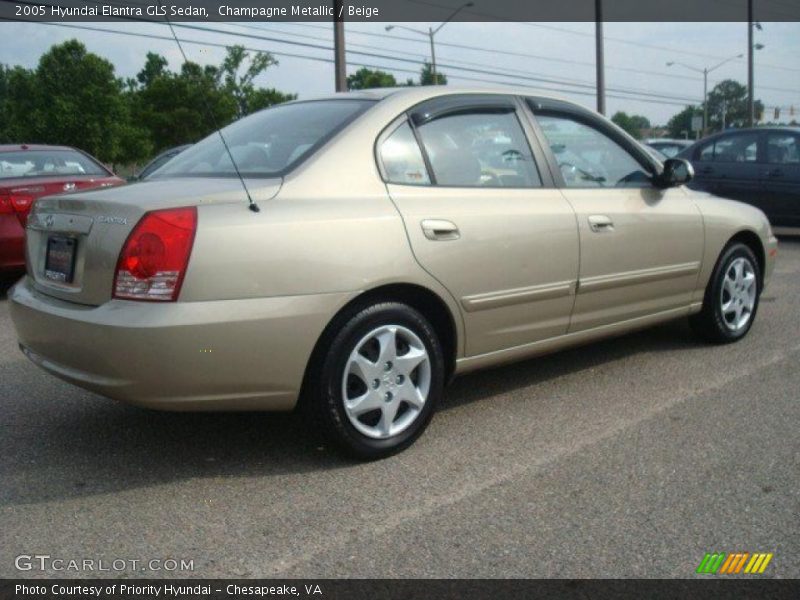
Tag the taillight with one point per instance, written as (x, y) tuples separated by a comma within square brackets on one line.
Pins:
[(5, 204), (153, 260)]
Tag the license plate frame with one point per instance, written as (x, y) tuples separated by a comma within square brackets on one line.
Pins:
[(59, 262)]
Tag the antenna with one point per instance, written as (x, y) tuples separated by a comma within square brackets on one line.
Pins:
[(250, 202)]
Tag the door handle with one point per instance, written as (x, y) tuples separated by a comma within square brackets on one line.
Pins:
[(707, 171), (600, 223), (775, 173), (440, 230)]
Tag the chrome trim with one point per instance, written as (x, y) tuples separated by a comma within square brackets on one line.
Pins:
[(518, 296), (605, 282)]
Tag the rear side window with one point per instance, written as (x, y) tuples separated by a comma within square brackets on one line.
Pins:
[(479, 150), (402, 159), (733, 148), (783, 149), (48, 163), (268, 143)]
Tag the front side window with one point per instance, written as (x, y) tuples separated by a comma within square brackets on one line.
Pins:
[(402, 159), (479, 149), (267, 143), (48, 163), (783, 149), (588, 157)]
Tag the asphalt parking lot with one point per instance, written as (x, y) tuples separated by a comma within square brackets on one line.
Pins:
[(629, 458)]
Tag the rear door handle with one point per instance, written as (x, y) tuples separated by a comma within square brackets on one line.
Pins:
[(600, 223), (440, 230)]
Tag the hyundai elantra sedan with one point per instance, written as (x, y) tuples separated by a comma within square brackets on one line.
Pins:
[(378, 244)]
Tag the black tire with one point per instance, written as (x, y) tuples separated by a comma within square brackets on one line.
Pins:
[(710, 323), (323, 397)]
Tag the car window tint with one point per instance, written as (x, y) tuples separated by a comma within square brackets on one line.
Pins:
[(783, 149), (706, 153), (479, 150), (736, 148), (402, 159), (589, 158), (47, 163)]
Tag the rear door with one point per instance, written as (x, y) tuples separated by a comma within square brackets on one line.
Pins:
[(640, 246), (483, 216), (728, 166), (781, 178)]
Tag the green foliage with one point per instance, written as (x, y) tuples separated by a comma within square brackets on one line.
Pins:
[(365, 79), (680, 125), (74, 98), (727, 103), (426, 75), (633, 124)]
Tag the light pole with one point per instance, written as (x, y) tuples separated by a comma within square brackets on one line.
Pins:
[(432, 32), (751, 47), (705, 71), (340, 61), (599, 59)]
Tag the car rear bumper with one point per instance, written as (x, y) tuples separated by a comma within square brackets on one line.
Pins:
[(226, 355), (12, 244)]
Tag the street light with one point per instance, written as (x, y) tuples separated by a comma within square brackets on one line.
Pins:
[(705, 71), (432, 32)]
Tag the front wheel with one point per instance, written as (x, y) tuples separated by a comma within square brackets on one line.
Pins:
[(731, 298), (379, 381)]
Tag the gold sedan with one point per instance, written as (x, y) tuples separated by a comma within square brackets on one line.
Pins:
[(394, 239)]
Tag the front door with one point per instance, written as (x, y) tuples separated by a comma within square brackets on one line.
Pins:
[(484, 218), (781, 178), (640, 246)]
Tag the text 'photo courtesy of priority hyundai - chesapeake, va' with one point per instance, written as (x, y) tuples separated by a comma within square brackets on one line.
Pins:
[(399, 299)]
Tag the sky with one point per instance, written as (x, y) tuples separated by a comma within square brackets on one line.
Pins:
[(537, 55)]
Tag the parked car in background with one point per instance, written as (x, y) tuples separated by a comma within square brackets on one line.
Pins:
[(759, 166), (660, 157), (158, 162), (28, 171), (667, 146), (402, 236)]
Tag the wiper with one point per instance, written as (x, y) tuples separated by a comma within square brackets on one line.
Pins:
[(250, 202)]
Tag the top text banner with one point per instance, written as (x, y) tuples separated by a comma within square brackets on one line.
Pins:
[(429, 11)]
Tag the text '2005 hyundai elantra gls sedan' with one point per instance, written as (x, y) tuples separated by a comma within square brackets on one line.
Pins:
[(395, 238)]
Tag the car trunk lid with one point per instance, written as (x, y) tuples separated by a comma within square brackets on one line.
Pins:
[(73, 241)]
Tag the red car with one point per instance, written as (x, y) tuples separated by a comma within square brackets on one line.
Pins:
[(30, 171)]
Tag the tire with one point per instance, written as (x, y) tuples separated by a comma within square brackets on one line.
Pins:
[(381, 360), (732, 296)]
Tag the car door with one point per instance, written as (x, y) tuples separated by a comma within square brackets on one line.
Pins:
[(728, 166), (483, 217), (781, 178), (640, 246)]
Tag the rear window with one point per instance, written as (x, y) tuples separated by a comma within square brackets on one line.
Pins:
[(47, 163), (267, 143)]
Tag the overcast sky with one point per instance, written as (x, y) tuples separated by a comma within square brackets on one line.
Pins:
[(636, 56)]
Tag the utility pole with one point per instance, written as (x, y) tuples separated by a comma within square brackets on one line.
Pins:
[(751, 109), (433, 57), (340, 65), (599, 60)]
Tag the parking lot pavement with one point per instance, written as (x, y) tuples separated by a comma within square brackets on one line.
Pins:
[(628, 458)]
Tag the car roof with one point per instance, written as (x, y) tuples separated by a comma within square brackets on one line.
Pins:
[(421, 92), (23, 147)]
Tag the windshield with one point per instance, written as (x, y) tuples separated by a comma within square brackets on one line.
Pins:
[(267, 143), (47, 163)]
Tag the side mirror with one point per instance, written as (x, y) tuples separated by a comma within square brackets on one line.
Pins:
[(677, 171)]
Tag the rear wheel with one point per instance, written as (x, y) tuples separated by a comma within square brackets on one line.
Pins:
[(379, 381), (731, 298)]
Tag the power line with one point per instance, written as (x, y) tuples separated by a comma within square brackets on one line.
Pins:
[(330, 61)]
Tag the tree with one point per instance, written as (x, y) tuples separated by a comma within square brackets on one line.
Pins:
[(182, 107), (365, 79), (633, 124), (680, 125), (426, 75), (17, 96), (78, 101), (238, 80), (727, 105)]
